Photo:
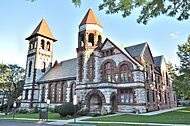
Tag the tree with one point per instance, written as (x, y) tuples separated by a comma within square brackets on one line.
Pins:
[(171, 70), (148, 8), (11, 82), (182, 80)]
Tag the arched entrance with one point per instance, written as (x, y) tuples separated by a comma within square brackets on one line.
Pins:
[(113, 101), (94, 101)]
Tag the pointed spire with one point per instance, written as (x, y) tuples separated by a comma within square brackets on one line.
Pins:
[(90, 18), (42, 29), (56, 63)]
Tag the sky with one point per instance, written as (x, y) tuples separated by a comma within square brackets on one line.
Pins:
[(19, 18)]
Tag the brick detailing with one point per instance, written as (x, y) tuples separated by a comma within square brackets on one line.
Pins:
[(94, 92)]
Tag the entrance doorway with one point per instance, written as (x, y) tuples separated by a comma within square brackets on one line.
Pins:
[(95, 103), (114, 104)]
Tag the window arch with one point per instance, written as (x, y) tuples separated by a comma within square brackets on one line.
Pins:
[(44, 67), (99, 40), (81, 43), (26, 94), (80, 66), (108, 72), (55, 93), (91, 39), (30, 68), (63, 91), (72, 90), (42, 44), (50, 92), (48, 46), (91, 67), (43, 94), (125, 73)]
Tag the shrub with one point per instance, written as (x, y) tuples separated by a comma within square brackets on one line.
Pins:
[(36, 109), (104, 111), (83, 111), (22, 111), (65, 109)]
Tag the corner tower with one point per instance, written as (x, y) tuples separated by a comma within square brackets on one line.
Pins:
[(89, 41), (39, 61)]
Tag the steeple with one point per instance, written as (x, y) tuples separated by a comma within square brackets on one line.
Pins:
[(90, 32), (90, 18), (43, 30)]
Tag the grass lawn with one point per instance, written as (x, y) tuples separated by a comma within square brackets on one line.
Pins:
[(109, 124), (55, 116), (181, 116)]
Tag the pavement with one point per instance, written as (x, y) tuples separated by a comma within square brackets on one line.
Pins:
[(161, 111), (62, 122)]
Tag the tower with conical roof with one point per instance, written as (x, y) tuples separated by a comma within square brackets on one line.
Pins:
[(39, 61), (89, 42)]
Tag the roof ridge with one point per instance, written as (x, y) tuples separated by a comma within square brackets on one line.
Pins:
[(90, 18), (42, 29)]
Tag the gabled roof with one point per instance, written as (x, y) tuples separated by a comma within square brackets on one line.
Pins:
[(90, 18), (64, 70), (121, 48), (136, 50), (43, 30), (158, 60)]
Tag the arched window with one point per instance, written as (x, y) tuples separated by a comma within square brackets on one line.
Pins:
[(72, 91), (50, 92), (91, 39), (44, 67), (43, 94), (55, 93), (125, 73), (26, 94), (31, 46), (30, 68), (99, 40), (91, 64), (81, 41), (42, 44), (108, 72), (63, 92), (48, 46), (80, 64)]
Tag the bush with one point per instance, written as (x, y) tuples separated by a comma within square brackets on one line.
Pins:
[(65, 109), (84, 111), (22, 111), (36, 109), (104, 111)]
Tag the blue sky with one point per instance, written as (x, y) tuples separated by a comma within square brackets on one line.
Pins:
[(20, 17)]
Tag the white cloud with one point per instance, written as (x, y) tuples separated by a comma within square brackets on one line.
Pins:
[(174, 35)]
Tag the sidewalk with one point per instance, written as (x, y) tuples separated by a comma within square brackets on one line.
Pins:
[(62, 122), (134, 123), (162, 111)]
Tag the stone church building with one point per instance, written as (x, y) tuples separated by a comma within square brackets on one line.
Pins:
[(104, 73)]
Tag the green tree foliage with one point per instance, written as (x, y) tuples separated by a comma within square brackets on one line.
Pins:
[(171, 70), (148, 8), (11, 81), (182, 81)]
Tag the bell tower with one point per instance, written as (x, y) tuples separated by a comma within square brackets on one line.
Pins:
[(39, 61), (89, 39), (90, 32)]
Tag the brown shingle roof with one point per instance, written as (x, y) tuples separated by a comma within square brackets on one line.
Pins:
[(42, 29), (90, 18)]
